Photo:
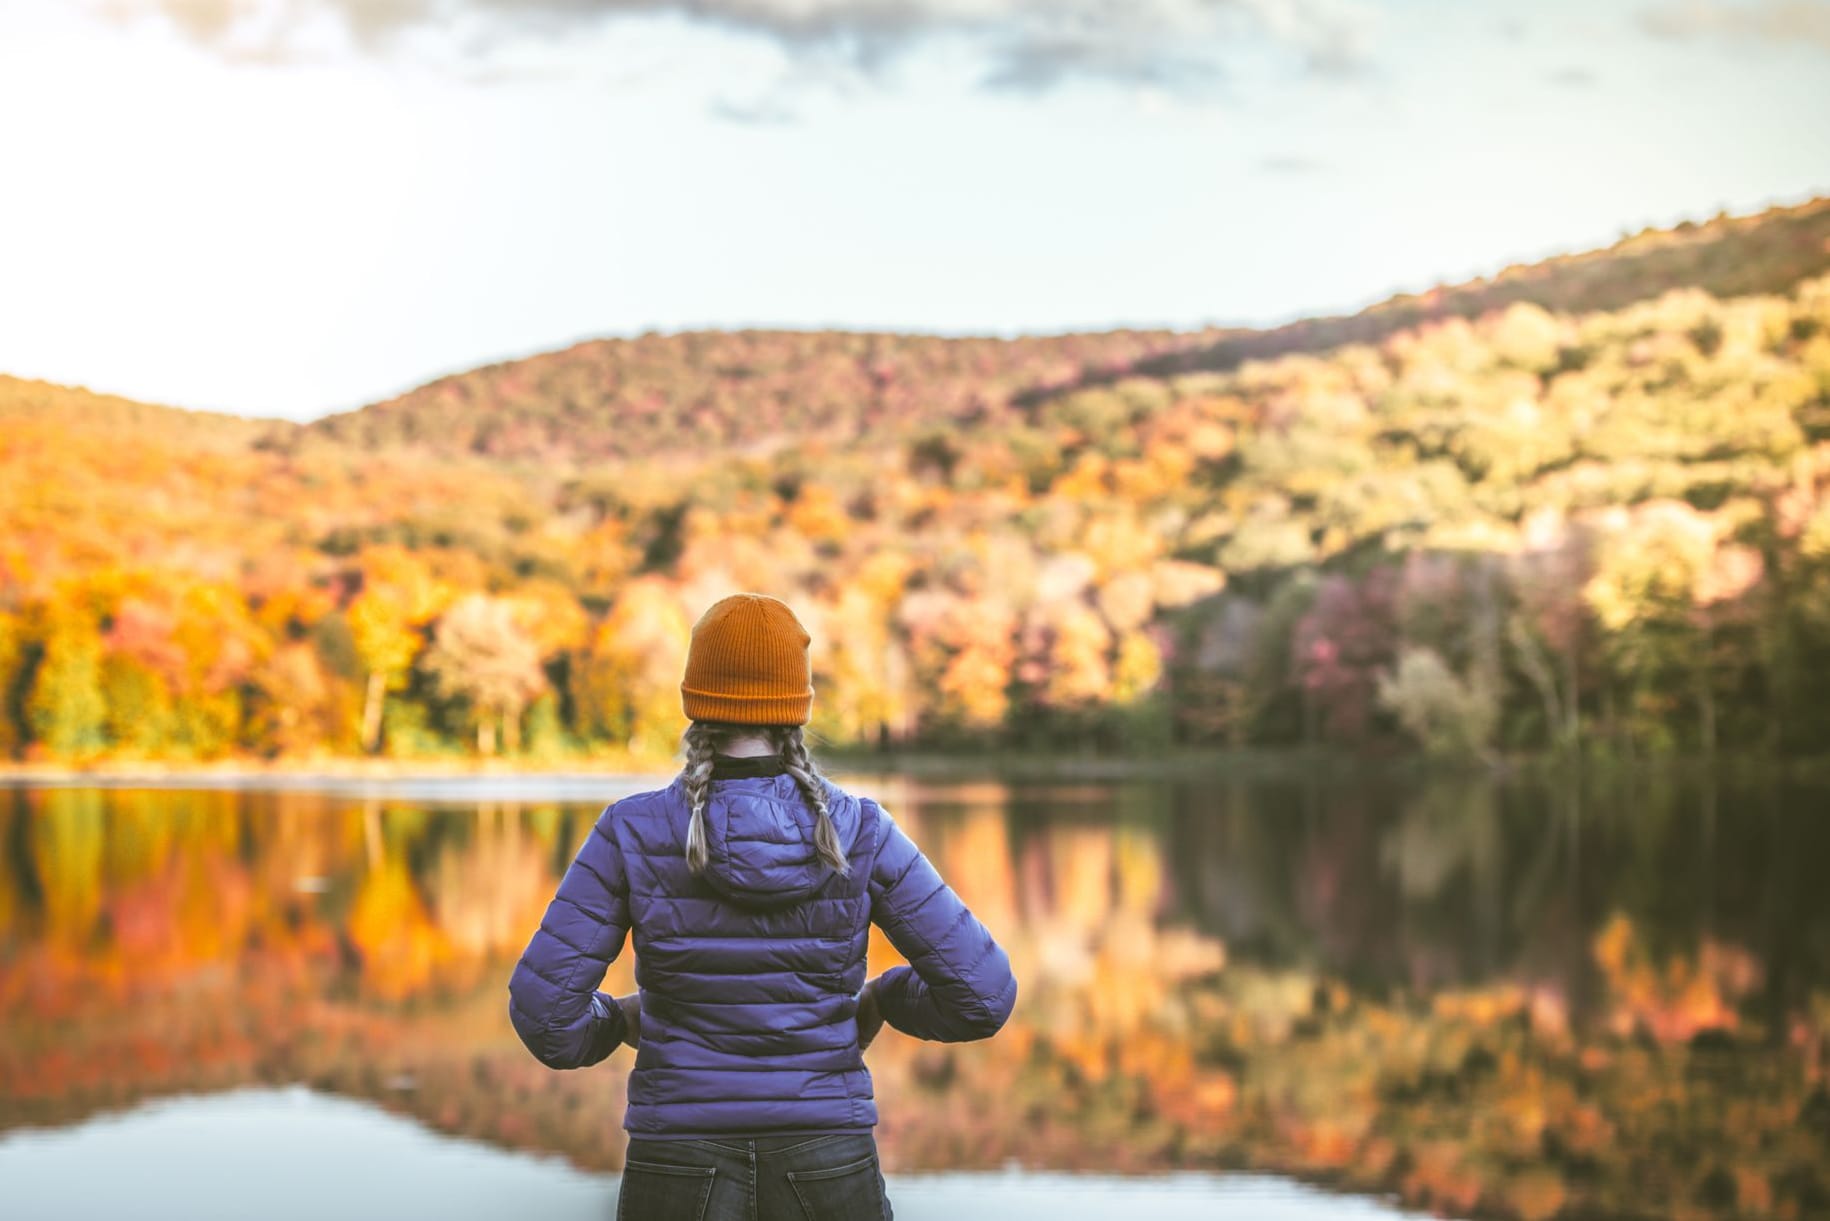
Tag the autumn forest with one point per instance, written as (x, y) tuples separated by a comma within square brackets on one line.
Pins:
[(1579, 505)]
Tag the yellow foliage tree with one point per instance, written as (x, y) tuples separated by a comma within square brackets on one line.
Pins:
[(399, 596)]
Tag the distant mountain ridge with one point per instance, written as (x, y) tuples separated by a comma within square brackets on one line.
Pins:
[(757, 389), (753, 391), (745, 390), (1728, 256)]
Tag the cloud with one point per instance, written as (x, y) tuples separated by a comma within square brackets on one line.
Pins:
[(1289, 163), (758, 112), (1788, 22), (1022, 45)]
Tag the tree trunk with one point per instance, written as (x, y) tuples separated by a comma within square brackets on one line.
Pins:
[(1537, 671), (1706, 694), (371, 711), (486, 735), (1610, 721), (1572, 720)]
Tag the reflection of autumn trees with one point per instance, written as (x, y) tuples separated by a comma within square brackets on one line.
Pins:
[(484, 895), (1506, 1015)]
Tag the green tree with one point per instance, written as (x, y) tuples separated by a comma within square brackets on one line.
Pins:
[(1449, 716), (65, 709), (12, 664)]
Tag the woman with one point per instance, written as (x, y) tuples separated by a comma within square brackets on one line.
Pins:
[(750, 883)]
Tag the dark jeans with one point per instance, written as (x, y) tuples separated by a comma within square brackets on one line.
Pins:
[(765, 1178)]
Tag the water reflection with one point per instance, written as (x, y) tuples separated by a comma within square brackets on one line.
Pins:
[(1488, 999), (305, 1156)]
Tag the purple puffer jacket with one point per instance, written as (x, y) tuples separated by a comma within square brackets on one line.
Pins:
[(750, 974)]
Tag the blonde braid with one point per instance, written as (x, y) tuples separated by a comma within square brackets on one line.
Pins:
[(701, 741), (793, 749), (704, 738)]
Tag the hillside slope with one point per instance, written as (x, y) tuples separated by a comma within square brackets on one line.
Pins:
[(1532, 528), (751, 391), (25, 401), (1728, 256), (737, 390)]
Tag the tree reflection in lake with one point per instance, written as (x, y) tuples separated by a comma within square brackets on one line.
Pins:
[(1491, 999)]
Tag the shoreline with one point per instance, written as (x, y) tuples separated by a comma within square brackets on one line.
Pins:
[(346, 771), (1289, 763)]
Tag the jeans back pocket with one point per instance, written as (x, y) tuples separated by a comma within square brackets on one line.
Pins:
[(654, 1191), (849, 1192)]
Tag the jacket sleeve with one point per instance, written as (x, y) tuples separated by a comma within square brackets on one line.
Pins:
[(958, 985), (553, 1000)]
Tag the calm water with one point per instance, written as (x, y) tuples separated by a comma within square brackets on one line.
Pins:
[(1482, 999)]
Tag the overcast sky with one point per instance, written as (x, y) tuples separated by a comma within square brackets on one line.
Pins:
[(291, 207)]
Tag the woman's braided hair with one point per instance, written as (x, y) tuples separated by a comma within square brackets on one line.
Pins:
[(704, 738)]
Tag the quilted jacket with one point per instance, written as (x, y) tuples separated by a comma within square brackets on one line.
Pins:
[(750, 973)]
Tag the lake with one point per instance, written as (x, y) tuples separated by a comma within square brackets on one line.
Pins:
[(1282, 991)]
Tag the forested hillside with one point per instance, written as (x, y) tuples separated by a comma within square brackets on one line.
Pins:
[(741, 390), (1582, 502)]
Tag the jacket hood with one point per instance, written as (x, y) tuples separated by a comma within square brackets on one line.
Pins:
[(759, 836)]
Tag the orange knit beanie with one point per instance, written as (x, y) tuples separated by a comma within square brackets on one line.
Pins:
[(748, 663)]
